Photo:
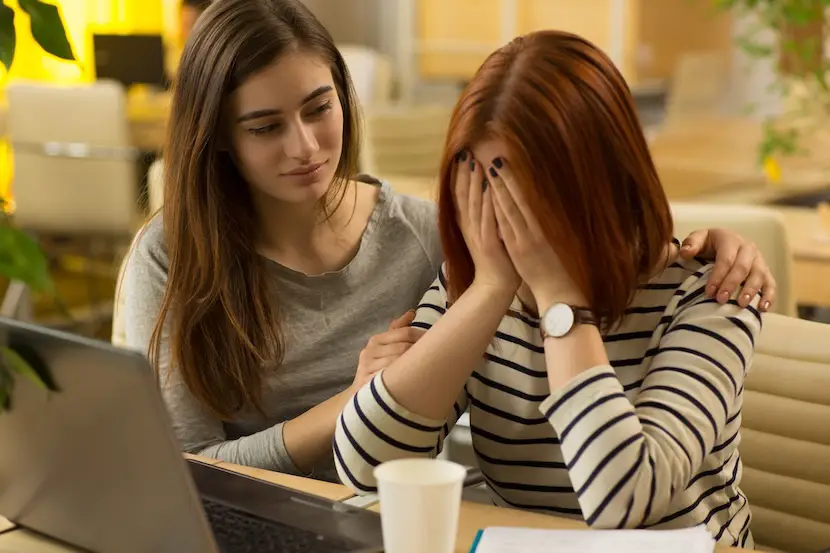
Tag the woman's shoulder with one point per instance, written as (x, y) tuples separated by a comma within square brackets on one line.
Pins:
[(683, 288), (147, 258), (149, 244), (682, 278), (416, 217), (417, 209)]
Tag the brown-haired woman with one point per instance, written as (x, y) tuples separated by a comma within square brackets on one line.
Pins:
[(272, 265), (601, 380)]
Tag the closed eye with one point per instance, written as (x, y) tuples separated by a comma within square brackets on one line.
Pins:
[(265, 129), (321, 109)]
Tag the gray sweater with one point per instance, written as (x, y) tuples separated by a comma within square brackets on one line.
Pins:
[(328, 320)]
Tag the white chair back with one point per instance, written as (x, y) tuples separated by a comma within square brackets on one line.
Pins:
[(761, 225), (785, 436), (74, 168)]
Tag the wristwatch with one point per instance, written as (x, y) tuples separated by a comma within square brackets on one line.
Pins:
[(560, 318)]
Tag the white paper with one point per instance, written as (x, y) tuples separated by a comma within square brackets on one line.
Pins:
[(528, 540)]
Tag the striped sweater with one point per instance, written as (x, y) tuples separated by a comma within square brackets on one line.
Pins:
[(649, 441)]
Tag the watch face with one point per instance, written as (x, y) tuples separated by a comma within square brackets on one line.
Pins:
[(558, 320)]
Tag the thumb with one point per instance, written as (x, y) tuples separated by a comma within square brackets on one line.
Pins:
[(693, 243), (403, 321)]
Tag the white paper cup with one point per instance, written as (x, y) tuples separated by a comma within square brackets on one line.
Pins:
[(419, 504)]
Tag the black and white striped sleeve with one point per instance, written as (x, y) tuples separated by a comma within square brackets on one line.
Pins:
[(374, 428), (633, 457)]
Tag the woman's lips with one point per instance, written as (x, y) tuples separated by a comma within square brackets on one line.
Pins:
[(304, 170)]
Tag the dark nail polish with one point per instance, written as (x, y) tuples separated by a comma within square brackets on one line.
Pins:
[(497, 162), (472, 165), (462, 155), (484, 184), (493, 172)]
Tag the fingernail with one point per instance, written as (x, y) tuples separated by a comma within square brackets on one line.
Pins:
[(745, 297), (498, 163), (462, 155), (710, 290), (493, 173), (765, 307), (484, 184), (472, 165), (686, 247), (723, 296)]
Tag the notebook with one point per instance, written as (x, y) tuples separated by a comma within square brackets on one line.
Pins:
[(530, 540)]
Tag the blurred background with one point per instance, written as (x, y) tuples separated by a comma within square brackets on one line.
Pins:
[(732, 94)]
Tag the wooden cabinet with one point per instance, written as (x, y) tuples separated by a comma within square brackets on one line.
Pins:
[(645, 38), (659, 32), (591, 19), (453, 37)]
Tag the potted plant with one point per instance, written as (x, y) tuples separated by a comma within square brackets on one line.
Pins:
[(790, 34), (21, 258)]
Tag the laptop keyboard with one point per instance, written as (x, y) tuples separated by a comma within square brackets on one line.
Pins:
[(237, 531)]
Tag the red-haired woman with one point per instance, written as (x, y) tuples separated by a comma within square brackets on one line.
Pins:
[(601, 380)]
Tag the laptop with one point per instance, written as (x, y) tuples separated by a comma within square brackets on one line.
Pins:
[(95, 464), (130, 59)]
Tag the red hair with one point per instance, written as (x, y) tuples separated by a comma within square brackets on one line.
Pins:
[(576, 147)]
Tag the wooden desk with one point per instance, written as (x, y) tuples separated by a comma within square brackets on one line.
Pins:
[(473, 516), (147, 115)]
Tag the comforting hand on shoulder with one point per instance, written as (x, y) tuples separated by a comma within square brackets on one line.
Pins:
[(738, 262)]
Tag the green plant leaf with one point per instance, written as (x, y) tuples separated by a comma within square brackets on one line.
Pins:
[(22, 259), (47, 28), (17, 364), (8, 36)]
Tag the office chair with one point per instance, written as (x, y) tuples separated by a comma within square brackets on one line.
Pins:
[(75, 174)]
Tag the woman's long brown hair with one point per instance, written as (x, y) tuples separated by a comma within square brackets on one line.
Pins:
[(578, 152), (218, 316)]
